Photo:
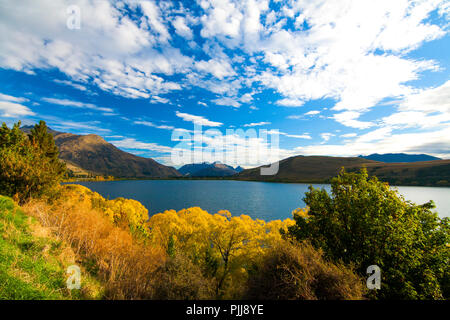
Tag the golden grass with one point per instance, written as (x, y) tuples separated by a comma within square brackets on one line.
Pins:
[(111, 253)]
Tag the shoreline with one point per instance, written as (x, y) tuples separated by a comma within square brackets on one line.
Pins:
[(328, 181)]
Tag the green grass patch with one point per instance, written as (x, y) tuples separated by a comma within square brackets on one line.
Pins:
[(30, 267)]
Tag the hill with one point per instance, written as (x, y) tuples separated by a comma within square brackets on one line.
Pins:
[(207, 169), (91, 154), (306, 169), (399, 157), (320, 169)]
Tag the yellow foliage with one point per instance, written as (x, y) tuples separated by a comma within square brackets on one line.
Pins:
[(235, 243), (224, 247), (302, 212), (123, 212)]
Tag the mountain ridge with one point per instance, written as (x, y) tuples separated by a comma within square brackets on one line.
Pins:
[(92, 155), (399, 157), (207, 169), (320, 169)]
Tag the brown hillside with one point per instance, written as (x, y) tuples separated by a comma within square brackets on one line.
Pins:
[(93, 154), (321, 169)]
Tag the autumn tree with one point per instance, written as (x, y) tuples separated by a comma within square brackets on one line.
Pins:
[(225, 247)]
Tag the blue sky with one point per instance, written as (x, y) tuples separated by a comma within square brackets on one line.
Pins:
[(334, 78)]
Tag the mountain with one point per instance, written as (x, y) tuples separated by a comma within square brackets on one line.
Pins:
[(206, 169), (399, 157), (306, 169), (91, 154), (320, 169)]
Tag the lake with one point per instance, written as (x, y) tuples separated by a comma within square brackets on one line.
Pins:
[(263, 200)]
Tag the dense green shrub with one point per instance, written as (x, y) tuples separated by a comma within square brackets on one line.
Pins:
[(365, 222), (29, 165)]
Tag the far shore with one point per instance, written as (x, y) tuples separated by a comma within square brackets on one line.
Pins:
[(232, 178)]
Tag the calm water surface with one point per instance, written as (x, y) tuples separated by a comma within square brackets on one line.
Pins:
[(268, 201)]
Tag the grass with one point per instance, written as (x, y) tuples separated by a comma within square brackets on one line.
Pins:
[(33, 263)]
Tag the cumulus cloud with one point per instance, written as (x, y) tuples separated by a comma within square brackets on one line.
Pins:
[(133, 55), (425, 108), (10, 110), (355, 54), (227, 101), (181, 28), (12, 107)]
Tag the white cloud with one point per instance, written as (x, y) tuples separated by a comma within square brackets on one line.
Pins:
[(218, 68), (256, 124), (326, 136), (298, 136), (80, 127), (334, 58), (227, 101), (426, 108), (151, 124), (5, 97), (290, 102), (198, 120), (348, 119), (11, 109), (312, 113), (181, 27), (109, 50), (131, 143), (349, 135), (429, 100), (71, 83), (295, 116), (223, 18), (157, 99), (76, 104), (435, 142)]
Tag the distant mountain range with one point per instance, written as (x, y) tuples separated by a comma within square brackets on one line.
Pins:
[(91, 154), (321, 169), (399, 157), (206, 169)]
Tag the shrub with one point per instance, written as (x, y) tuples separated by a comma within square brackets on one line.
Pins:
[(366, 223), (180, 279), (299, 272)]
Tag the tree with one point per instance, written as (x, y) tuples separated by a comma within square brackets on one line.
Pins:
[(365, 222), (225, 247), (29, 165)]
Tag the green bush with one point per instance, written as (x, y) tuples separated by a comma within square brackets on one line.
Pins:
[(29, 165), (364, 223)]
